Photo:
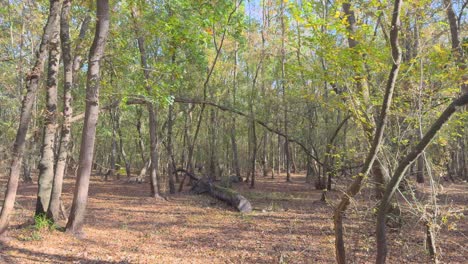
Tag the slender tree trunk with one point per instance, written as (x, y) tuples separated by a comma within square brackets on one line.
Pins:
[(152, 115), (32, 83), (235, 156), (77, 58), (27, 171), (171, 170), (265, 154), (399, 173), (207, 81), (380, 176), (283, 89), (356, 185), (363, 87), (153, 125), (420, 170), (457, 48), (212, 145), (293, 160), (78, 209), (254, 155), (46, 164), (53, 211), (141, 143), (122, 155), (459, 56), (113, 152)]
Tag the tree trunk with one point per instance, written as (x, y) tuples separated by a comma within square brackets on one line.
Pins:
[(32, 83), (46, 164), (113, 152), (170, 152), (283, 89), (381, 178), (224, 194), (293, 160), (356, 185), (431, 241), (152, 114), (235, 156), (254, 155), (363, 87), (403, 165), (460, 58), (122, 154), (78, 209), (420, 170), (53, 211), (141, 143), (457, 48), (212, 146), (265, 155)]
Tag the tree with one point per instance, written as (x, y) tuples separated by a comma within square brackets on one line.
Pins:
[(78, 209), (32, 83), (355, 187), (46, 164), (55, 202), (403, 165)]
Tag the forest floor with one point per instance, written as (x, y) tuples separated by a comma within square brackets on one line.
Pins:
[(289, 224)]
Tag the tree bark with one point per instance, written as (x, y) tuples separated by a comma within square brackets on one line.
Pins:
[(53, 211), (46, 164), (170, 150), (283, 89), (78, 209), (399, 173), (224, 194), (235, 156), (32, 83)]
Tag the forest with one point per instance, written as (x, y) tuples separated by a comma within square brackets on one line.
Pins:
[(233, 131)]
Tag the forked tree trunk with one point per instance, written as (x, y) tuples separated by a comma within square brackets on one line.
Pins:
[(363, 87), (32, 83), (283, 89), (53, 211), (46, 164), (399, 173), (78, 209), (357, 184)]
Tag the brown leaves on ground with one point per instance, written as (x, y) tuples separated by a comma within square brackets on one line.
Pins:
[(288, 225)]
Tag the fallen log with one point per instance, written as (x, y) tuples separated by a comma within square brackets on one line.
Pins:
[(227, 195)]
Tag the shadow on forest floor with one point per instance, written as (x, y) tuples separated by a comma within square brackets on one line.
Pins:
[(124, 225)]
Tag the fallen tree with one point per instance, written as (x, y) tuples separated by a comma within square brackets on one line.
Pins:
[(227, 195)]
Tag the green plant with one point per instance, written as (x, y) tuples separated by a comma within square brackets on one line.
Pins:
[(42, 222)]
